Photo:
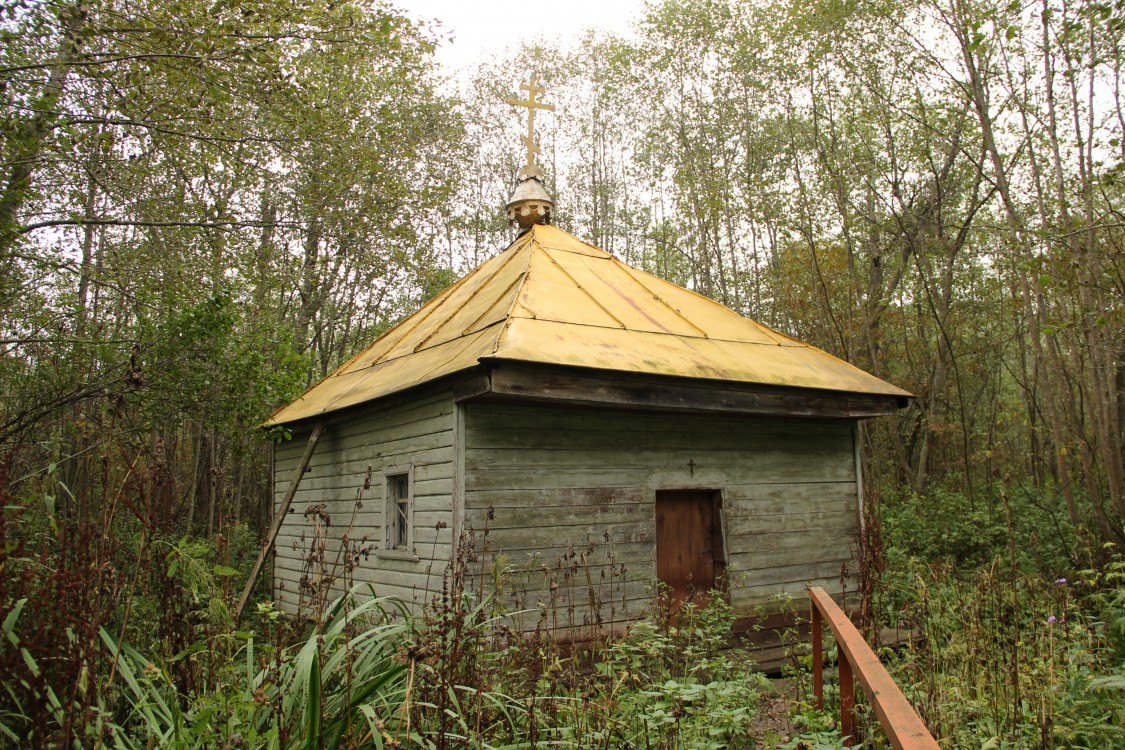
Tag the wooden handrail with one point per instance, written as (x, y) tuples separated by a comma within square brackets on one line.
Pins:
[(901, 723)]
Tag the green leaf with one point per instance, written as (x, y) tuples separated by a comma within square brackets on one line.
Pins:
[(1113, 682), (9, 625), (223, 570), (312, 708)]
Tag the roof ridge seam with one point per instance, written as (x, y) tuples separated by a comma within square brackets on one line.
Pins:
[(331, 405), (766, 330), (516, 282), (607, 254), (592, 298), (531, 244), (628, 272), (411, 353), (504, 264), (439, 302), (340, 370)]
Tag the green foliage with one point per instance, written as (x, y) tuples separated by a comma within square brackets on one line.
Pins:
[(213, 362), (1002, 659), (366, 678), (943, 526), (342, 684)]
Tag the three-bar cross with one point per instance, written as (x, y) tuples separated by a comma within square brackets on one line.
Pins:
[(532, 89)]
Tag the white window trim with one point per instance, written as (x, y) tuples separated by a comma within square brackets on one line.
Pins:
[(386, 550)]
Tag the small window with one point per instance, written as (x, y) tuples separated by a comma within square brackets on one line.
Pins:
[(399, 511)]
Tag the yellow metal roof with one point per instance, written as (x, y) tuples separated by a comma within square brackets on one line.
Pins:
[(551, 298)]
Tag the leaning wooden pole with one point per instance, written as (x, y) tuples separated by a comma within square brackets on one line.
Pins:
[(279, 518)]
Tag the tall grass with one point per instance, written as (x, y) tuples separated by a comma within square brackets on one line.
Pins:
[(343, 686)]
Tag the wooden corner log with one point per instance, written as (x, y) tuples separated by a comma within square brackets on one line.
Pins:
[(279, 518), (901, 723)]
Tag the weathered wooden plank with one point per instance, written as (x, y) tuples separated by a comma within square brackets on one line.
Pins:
[(419, 420), (346, 488), (619, 597), (375, 433), (347, 481), (532, 417), (668, 476), (419, 584), (429, 479), (628, 553), (388, 414), (381, 450), (657, 437), (300, 543), (813, 455), (402, 574), (425, 539), (614, 609), (538, 537), (342, 515), (751, 562), (576, 589), (563, 496), (401, 565), (559, 386), (562, 517), (370, 526), (541, 572), (765, 499), (374, 439), (827, 520), (840, 538), (561, 613), (739, 500), (792, 579)]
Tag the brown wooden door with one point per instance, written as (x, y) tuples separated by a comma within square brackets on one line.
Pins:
[(685, 550)]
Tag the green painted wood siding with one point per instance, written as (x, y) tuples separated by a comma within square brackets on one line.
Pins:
[(416, 431), (563, 499)]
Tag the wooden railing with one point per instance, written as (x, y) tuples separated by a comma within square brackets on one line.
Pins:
[(902, 725)]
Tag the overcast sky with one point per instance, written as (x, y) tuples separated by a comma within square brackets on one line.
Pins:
[(488, 27)]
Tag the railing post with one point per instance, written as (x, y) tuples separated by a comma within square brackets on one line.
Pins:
[(817, 654), (900, 721), (847, 699)]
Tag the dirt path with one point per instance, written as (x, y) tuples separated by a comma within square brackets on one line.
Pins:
[(773, 727)]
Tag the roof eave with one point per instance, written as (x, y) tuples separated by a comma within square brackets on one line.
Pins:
[(510, 380)]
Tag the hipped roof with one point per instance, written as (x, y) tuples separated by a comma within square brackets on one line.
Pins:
[(552, 299)]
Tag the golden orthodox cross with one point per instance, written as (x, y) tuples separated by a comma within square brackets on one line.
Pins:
[(532, 88)]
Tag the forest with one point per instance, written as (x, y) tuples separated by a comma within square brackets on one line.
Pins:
[(206, 207)]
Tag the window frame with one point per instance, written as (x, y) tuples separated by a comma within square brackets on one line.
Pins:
[(391, 504)]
